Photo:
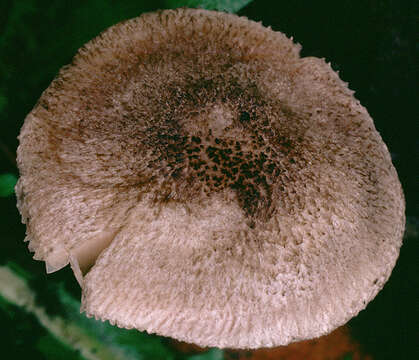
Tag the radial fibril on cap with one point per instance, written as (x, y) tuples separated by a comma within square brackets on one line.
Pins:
[(209, 184)]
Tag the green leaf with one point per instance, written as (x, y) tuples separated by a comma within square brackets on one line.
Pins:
[(73, 333), (213, 354), (134, 344), (53, 349), (18, 270), (222, 5), (7, 184)]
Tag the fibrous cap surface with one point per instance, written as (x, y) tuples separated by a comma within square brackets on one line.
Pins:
[(208, 184)]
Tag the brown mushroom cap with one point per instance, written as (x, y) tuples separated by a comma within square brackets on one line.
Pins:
[(208, 184)]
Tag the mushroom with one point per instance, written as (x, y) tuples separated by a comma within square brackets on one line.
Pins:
[(207, 183)]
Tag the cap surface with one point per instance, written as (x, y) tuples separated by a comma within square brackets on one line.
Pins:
[(208, 184)]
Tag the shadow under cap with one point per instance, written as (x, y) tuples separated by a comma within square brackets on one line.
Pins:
[(208, 184)]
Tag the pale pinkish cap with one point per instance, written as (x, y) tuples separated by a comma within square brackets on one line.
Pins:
[(208, 184)]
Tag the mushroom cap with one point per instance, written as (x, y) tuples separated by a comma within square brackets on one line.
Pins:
[(206, 183)]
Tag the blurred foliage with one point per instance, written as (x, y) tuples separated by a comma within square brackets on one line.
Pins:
[(68, 334), (213, 354), (7, 184), (52, 349), (222, 5)]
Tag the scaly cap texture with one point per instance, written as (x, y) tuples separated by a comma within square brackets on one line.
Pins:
[(206, 183)]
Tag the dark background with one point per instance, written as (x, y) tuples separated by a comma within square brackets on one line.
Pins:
[(374, 46)]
